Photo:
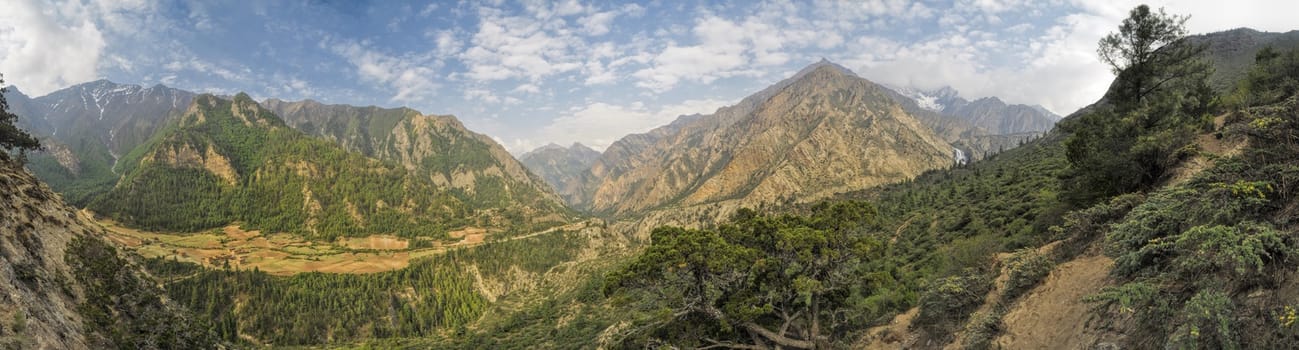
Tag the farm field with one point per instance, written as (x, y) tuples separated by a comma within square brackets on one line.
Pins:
[(285, 254)]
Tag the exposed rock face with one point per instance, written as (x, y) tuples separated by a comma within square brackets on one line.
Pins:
[(566, 169), (63, 287), (822, 132), (436, 146), (185, 155)]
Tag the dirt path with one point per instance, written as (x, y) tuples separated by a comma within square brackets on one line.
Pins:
[(1211, 149), (1053, 315)]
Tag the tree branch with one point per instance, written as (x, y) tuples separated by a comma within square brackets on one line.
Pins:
[(757, 329)]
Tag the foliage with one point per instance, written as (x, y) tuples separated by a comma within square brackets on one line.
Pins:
[(1147, 52), (948, 300), (427, 298), (288, 182), (1207, 323), (1274, 77), (126, 307), (11, 137), (778, 280), (1188, 250), (981, 329), (1159, 100), (1025, 269)]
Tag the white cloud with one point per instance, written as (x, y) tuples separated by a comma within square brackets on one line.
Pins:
[(598, 23), (44, 47), (508, 47), (527, 88), (447, 43), (202, 66), (481, 94), (410, 76), (749, 46)]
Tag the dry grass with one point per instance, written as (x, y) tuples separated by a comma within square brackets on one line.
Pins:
[(285, 254)]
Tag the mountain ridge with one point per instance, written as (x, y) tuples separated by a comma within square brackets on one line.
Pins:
[(726, 156)]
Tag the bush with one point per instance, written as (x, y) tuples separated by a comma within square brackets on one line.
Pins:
[(949, 299), (1241, 252), (983, 327), (1025, 269), (1130, 298), (1206, 323)]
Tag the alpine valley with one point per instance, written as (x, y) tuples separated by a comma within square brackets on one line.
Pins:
[(824, 211)]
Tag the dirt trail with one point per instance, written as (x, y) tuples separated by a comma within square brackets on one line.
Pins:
[(1211, 149), (892, 336), (1053, 315)]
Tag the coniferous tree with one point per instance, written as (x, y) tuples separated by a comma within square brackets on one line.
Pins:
[(11, 137)]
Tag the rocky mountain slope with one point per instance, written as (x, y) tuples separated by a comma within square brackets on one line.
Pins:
[(434, 146), (564, 168), (88, 127), (62, 286), (234, 161), (988, 113), (821, 132)]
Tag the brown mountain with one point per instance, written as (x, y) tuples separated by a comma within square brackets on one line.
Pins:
[(821, 132), (564, 168)]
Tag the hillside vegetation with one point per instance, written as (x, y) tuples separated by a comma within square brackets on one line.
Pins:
[(1202, 259), (233, 161)]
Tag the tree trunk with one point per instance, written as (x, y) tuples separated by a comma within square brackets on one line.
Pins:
[(760, 330)]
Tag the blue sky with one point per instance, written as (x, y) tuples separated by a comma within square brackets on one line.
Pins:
[(533, 72)]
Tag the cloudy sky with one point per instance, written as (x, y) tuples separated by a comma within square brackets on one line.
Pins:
[(533, 72)]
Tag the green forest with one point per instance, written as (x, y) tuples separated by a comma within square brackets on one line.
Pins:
[(286, 182), (433, 296)]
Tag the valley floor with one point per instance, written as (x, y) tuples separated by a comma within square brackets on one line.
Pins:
[(285, 254)]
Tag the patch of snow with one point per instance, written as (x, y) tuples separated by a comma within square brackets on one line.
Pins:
[(959, 156)]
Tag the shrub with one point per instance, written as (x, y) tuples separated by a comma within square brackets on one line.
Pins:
[(1241, 251), (983, 327), (1206, 323), (1025, 269), (950, 299), (1129, 298)]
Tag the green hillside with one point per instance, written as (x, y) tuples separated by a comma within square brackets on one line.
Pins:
[(231, 161)]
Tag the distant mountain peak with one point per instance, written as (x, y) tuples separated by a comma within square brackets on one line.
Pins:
[(823, 64), (936, 100)]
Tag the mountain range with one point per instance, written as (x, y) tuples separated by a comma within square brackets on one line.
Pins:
[(759, 151), (566, 169), (107, 142), (989, 113)]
